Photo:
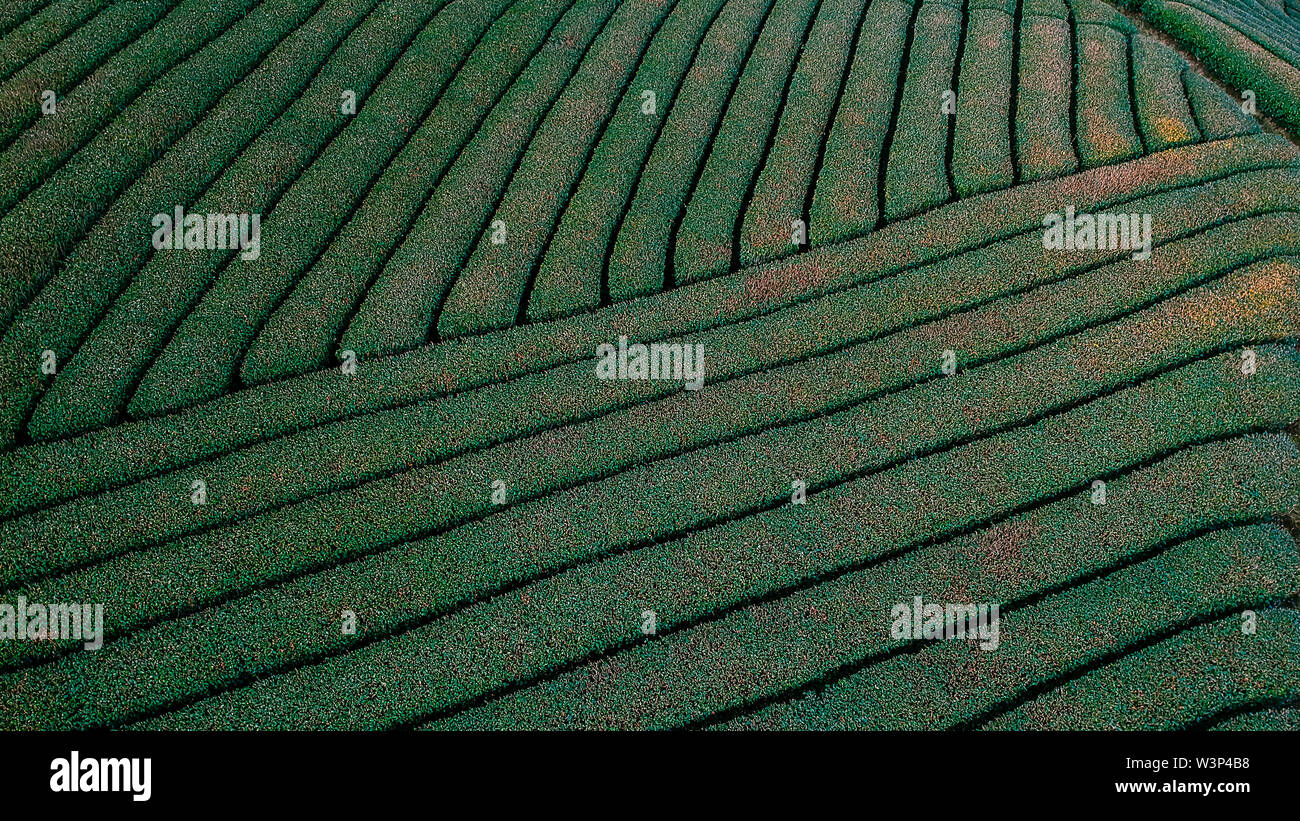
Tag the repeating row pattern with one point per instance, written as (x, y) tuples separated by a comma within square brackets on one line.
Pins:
[(525, 176), (1253, 44), (842, 202)]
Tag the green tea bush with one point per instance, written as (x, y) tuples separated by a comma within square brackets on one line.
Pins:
[(290, 470), (873, 517), (1218, 116), (1193, 675), (39, 230), (17, 13), (785, 183), (1163, 110), (42, 474), (488, 290), (639, 253), (400, 310), (916, 175), (301, 334), (714, 210), (270, 129), (1106, 124), (952, 683), (1044, 136), (844, 202), (58, 48), (1240, 60), (27, 33), (569, 279), (1165, 501), (32, 156), (981, 158), (201, 358)]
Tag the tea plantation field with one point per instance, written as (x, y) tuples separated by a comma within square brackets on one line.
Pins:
[(650, 364)]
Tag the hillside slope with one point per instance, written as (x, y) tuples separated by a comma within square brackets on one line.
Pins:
[(363, 470)]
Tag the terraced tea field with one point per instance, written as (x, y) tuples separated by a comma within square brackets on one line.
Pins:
[(532, 364)]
